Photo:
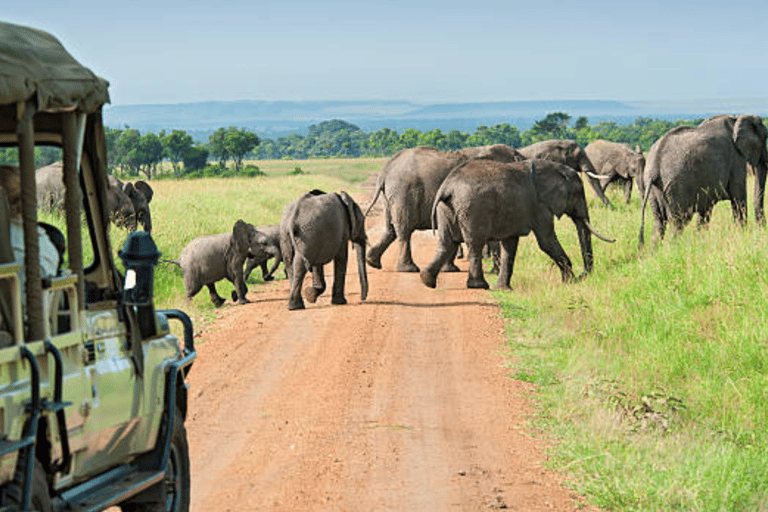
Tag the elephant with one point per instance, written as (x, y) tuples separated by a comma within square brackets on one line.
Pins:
[(615, 161), (690, 168), (272, 232), (408, 182), (316, 229), (481, 201), (127, 203), (211, 258), (567, 152)]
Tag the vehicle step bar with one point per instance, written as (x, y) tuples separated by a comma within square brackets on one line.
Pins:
[(108, 490)]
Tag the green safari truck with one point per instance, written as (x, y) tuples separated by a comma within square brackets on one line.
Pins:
[(93, 392)]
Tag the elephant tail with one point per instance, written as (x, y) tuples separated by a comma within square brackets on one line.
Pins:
[(379, 189), (442, 196), (175, 262)]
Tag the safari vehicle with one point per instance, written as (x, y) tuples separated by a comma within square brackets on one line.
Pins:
[(92, 380)]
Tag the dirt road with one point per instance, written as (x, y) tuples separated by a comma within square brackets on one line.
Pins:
[(398, 403)]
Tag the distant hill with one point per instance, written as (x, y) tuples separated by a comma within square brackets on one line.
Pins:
[(271, 119)]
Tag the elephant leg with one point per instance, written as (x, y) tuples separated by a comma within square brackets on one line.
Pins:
[(507, 264), (250, 264), (659, 218), (405, 258), (460, 252), (492, 250), (298, 271), (390, 235), (449, 265), (215, 298), (476, 279), (266, 274), (739, 209), (318, 284), (548, 242), (628, 190), (339, 275), (446, 247)]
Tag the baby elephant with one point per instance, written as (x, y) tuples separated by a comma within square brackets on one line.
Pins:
[(272, 233), (211, 258), (314, 230)]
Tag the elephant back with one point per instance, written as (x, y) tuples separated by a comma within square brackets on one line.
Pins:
[(50, 187)]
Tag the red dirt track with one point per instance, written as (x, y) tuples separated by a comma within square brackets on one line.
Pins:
[(398, 403)]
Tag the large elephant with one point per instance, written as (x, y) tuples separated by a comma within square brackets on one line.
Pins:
[(566, 152), (272, 232), (616, 161), (211, 258), (481, 201), (127, 203), (408, 182), (316, 229), (690, 169)]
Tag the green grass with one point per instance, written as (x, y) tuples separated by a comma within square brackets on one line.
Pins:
[(652, 372)]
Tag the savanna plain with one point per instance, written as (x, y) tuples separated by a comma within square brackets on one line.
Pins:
[(649, 376)]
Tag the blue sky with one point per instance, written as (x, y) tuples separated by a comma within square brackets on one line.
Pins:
[(422, 51)]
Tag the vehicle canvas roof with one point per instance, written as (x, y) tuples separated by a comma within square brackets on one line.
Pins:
[(34, 62)]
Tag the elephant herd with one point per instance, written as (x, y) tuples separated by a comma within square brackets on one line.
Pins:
[(484, 197), (489, 196)]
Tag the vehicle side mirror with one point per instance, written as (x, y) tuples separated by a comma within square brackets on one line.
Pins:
[(140, 256)]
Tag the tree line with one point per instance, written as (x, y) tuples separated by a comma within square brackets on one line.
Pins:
[(131, 153)]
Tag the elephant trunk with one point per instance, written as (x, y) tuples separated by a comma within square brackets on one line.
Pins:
[(585, 240), (362, 271)]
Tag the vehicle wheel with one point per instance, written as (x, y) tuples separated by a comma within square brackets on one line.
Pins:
[(40, 500), (174, 489)]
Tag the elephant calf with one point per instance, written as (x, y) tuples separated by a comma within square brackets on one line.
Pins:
[(211, 258), (273, 235), (316, 229)]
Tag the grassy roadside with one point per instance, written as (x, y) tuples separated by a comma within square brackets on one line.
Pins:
[(651, 373)]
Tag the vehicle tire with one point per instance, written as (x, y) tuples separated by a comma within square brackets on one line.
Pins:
[(174, 489), (41, 499)]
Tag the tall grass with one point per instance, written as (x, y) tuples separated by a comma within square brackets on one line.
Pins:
[(652, 371)]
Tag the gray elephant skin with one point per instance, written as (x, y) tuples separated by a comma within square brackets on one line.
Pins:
[(617, 162), (567, 152), (409, 181), (316, 229), (482, 201), (127, 203), (210, 258), (272, 232), (690, 169)]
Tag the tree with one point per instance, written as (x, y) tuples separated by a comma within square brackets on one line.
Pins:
[(150, 153), (239, 142), (410, 138), (553, 124), (217, 147), (195, 158), (384, 141), (126, 151), (175, 147)]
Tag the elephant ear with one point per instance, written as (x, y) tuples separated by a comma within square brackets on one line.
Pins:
[(549, 181), (355, 215), (143, 187), (241, 237), (749, 136)]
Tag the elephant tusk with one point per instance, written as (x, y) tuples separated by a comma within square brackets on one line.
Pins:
[(593, 175), (598, 235)]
